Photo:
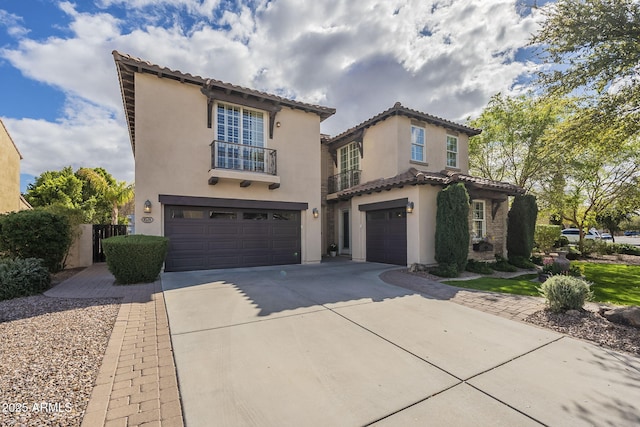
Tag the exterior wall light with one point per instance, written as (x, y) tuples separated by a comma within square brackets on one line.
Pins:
[(147, 206), (315, 212), (410, 207)]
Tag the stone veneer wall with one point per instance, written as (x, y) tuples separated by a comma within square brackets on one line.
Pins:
[(496, 232)]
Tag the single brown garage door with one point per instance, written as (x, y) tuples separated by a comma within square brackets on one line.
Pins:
[(202, 238), (387, 236)]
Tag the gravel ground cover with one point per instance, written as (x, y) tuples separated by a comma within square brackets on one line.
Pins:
[(590, 326), (51, 350)]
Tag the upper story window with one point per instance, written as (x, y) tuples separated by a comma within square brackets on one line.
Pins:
[(349, 157), (417, 143), (479, 223), (240, 126), (452, 151), (240, 139)]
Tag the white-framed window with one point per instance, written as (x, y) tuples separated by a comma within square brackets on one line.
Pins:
[(349, 157), (479, 220), (238, 129), (452, 151), (417, 143)]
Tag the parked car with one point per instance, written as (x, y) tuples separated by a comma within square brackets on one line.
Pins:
[(632, 233), (573, 234), (606, 236)]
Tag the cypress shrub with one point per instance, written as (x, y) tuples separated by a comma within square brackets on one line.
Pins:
[(135, 259), (521, 226), (452, 226), (36, 234)]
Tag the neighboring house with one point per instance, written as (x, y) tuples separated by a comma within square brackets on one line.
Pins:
[(383, 178), (10, 198), (231, 175), (237, 178)]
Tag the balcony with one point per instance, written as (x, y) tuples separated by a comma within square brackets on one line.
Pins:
[(245, 163), (344, 180)]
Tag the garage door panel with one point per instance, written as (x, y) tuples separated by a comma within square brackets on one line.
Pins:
[(204, 238), (387, 236)]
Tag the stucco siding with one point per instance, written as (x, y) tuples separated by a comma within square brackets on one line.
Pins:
[(173, 156), (9, 173)]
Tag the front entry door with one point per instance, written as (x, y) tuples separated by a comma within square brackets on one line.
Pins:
[(345, 231)]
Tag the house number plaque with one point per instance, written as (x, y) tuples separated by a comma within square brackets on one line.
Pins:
[(146, 219)]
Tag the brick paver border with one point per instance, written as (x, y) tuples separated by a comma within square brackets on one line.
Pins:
[(137, 383)]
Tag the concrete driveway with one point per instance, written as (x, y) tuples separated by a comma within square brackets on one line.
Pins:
[(333, 345)]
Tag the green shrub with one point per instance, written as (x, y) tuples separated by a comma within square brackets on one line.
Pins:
[(36, 234), (537, 259), (521, 224), (479, 267), (573, 253), (521, 262), (561, 242), (564, 293), (545, 236), (452, 226), (22, 277), (135, 259), (445, 270), (502, 264), (626, 249)]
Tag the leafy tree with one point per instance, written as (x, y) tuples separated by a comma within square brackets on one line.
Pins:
[(452, 226), (521, 226), (115, 193), (595, 45), (94, 192), (602, 171), (515, 143), (55, 188)]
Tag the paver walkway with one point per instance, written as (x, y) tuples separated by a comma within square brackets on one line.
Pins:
[(137, 384), (515, 307)]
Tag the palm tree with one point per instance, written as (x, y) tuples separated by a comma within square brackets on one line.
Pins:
[(117, 193)]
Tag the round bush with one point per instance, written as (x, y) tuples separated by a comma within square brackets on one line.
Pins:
[(564, 293), (22, 277), (135, 259)]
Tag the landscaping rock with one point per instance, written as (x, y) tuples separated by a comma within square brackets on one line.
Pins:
[(623, 315)]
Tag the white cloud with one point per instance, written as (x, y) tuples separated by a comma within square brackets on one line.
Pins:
[(443, 57), (13, 24)]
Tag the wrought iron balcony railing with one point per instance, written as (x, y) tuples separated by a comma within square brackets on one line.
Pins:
[(344, 180), (248, 158)]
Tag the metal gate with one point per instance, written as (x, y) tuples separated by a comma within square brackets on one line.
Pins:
[(103, 231)]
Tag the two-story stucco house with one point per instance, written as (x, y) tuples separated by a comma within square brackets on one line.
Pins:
[(237, 178), (231, 175), (383, 178), (10, 198)]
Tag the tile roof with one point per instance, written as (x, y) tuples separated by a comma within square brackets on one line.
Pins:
[(128, 65), (442, 178), (399, 110)]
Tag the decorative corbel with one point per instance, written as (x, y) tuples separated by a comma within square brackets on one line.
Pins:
[(495, 205)]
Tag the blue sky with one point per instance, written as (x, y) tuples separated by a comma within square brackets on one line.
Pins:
[(59, 94)]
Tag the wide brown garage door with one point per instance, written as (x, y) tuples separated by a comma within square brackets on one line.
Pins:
[(202, 238), (387, 236)]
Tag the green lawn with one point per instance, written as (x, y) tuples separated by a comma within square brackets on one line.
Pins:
[(521, 285), (612, 283)]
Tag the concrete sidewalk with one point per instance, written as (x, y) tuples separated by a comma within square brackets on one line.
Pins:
[(332, 344), (137, 384)]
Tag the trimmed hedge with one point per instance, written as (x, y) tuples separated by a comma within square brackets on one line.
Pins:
[(546, 236), (565, 292), (135, 259), (36, 234), (22, 277), (452, 227)]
